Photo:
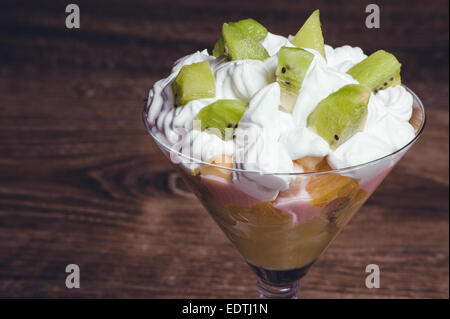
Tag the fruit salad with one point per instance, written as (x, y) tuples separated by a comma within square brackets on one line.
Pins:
[(268, 131)]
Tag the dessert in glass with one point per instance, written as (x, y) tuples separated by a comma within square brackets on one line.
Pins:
[(283, 139)]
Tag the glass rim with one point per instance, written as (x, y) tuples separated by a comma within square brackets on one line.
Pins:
[(339, 170)]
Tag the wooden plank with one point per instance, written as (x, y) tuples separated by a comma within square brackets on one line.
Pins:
[(82, 182)]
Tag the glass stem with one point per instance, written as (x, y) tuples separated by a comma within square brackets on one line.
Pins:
[(277, 291)]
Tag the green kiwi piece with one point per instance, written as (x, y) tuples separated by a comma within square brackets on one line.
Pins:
[(239, 46), (222, 117), (194, 81), (249, 27), (378, 71), (291, 70), (219, 48), (341, 114), (310, 34)]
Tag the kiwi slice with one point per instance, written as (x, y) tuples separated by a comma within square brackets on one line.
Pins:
[(341, 114), (219, 48), (194, 81), (310, 34), (378, 71), (291, 70), (249, 27), (222, 117), (240, 46)]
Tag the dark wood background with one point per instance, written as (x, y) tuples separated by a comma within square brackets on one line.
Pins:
[(81, 181)]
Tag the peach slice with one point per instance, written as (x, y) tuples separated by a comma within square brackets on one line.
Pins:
[(308, 164), (313, 164), (323, 165), (325, 188), (220, 160)]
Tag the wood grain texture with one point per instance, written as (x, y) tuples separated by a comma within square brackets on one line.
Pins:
[(81, 181)]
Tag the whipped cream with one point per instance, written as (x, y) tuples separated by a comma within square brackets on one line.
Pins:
[(343, 58), (273, 43), (275, 138), (240, 79), (258, 147)]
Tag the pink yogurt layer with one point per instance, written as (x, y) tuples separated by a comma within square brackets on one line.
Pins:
[(225, 193)]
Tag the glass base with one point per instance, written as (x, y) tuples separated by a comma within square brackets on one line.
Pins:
[(280, 277), (279, 284), (270, 291)]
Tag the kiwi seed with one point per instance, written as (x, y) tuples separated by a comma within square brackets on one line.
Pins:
[(288, 83), (336, 137), (229, 125), (283, 70), (391, 79), (385, 83)]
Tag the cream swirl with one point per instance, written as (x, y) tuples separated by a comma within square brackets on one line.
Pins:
[(388, 117), (258, 147), (343, 58), (276, 138), (360, 148), (397, 102), (240, 79), (192, 145), (272, 43)]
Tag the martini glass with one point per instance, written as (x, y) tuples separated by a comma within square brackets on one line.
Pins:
[(281, 239)]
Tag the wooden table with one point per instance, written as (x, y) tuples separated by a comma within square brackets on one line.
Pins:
[(81, 181)]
